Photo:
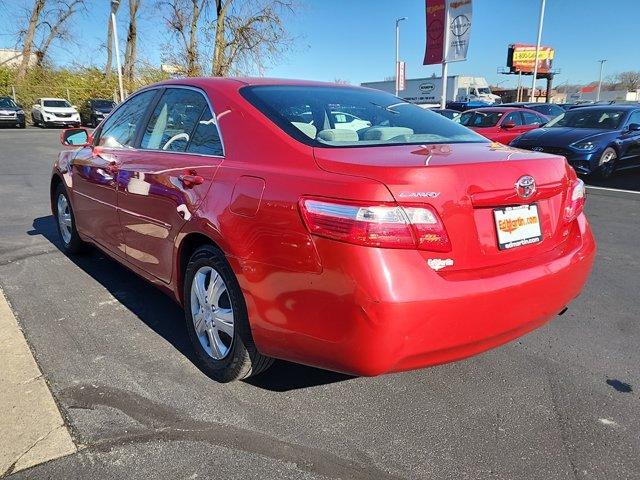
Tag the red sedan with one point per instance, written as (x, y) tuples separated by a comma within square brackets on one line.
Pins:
[(502, 124), (407, 242)]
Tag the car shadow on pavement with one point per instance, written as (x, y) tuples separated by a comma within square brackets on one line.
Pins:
[(166, 318), (624, 180)]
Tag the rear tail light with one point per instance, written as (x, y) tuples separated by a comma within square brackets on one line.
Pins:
[(378, 225), (575, 200)]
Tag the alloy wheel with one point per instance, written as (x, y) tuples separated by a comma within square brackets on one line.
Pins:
[(64, 218), (212, 312), (607, 162)]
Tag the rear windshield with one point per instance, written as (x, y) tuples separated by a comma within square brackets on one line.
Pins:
[(103, 103), (479, 119), (353, 117), (56, 103), (606, 119)]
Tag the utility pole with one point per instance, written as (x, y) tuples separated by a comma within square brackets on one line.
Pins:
[(535, 63), (114, 5), (600, 80), (398, 20)]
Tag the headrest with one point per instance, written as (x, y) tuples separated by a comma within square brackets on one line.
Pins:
[(338, 135), (385, 133)]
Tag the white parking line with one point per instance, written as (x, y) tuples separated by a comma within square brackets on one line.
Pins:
[(612, 189)]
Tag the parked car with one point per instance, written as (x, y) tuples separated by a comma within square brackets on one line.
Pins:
[(502, 124), (447, 112), (549, 110), (48, 112), (596, 140), (11, 113), (93, 111), (362, 252)]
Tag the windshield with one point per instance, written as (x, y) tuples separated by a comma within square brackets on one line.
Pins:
[(352, 117), (478, 119), (605, 119), (103, 104), (7, 103), (56, 103)]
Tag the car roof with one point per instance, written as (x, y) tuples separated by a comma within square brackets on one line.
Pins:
[(496, 109), (53, 98), (615, 106)]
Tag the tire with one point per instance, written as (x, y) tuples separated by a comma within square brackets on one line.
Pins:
[(607, 163), (66, 222), (34, 121), (23, 124), (220, 335)]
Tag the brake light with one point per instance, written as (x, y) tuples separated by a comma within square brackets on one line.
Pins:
[(575, 200), (378, 225)]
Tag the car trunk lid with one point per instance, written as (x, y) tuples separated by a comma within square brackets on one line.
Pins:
[(465, 183)]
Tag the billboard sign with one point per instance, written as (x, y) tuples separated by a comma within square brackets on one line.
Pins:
[(448, 30), (521, 58)]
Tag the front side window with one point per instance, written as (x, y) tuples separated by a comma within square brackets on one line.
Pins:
[(174, 120), (317, 116), (513, 117), (587, 117), (56, 103), (634, 118), (532, 119), (120, 128)]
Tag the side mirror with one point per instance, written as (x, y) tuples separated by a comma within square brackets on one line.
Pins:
[(74, 106), (634, 127), (509, 125), (74, 137)]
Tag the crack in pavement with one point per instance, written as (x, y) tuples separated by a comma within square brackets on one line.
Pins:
[(164, 423), (9, 470)]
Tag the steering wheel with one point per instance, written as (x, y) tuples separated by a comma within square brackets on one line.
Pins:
[(178, 136)]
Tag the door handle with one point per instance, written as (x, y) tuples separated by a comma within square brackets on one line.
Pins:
[(191, 179)]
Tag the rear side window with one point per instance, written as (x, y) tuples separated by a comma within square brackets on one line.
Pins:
[(120, 128), (174, 120)]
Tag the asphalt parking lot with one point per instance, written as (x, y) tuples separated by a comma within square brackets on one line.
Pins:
[(563, 402)]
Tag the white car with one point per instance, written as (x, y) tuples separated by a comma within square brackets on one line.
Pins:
[(347, 121), (54, 111)]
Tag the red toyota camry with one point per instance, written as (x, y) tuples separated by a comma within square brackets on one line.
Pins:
[(502, 124), (329, 225)]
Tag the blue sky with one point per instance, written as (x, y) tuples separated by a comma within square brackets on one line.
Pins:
[(354, 39)]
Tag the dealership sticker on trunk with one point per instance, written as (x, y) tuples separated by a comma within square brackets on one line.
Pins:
[(517, 226)]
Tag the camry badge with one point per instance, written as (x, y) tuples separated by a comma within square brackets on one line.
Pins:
[(537, 149), (525, 186)]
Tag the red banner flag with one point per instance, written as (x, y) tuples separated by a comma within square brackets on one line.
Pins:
[(436, 11)]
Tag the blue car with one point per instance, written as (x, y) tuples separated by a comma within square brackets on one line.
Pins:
[(595, 140)]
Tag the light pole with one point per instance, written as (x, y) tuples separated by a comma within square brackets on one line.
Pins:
[(398, 20), (535, 63), (114, 6), (600, 80)]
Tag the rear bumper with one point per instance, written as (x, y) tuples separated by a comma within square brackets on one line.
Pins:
[(373, 311)]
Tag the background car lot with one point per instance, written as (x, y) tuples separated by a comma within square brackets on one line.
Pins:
[(116, 354)]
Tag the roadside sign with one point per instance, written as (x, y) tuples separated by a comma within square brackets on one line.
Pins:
[(400, 76)]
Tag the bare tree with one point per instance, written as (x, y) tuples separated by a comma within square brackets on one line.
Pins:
[(107, 67), (132, 38), (183, 19), (27, 44), (56, 29), (629, 80), (249, 34)]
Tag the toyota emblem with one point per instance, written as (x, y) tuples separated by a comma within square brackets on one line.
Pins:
[(525, 186)]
